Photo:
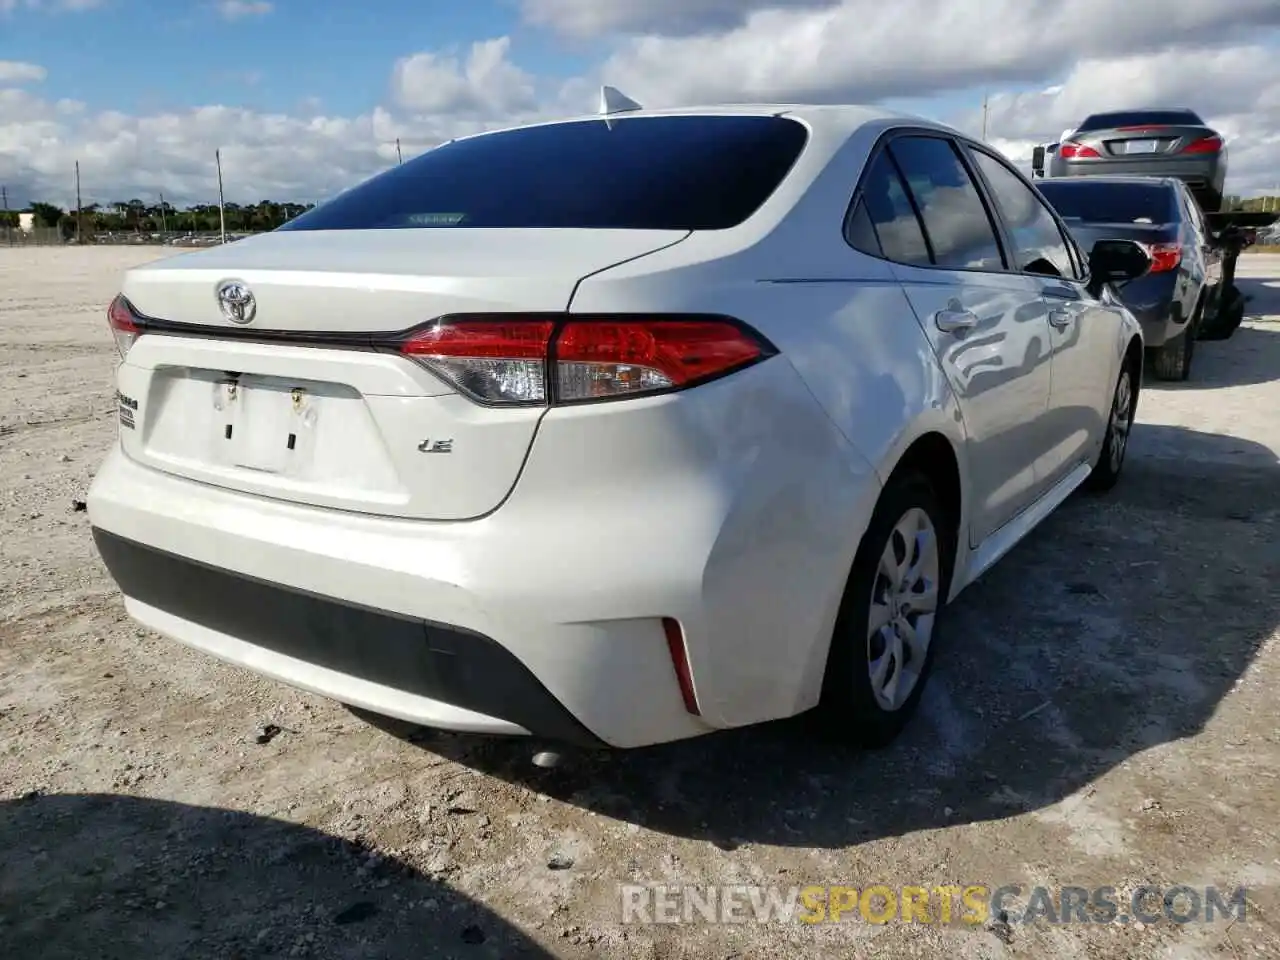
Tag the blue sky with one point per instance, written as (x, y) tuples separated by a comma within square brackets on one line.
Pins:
[(141, 56), (116, 85), (150, 56)]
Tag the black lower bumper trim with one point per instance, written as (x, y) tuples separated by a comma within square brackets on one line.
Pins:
[(441, 662)]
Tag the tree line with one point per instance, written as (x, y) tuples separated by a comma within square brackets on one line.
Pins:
[(135, 216)]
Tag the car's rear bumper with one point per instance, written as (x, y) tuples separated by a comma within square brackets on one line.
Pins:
[(1153, 301), (1196, 172), (625, 515), (443, 625), (425, 672)]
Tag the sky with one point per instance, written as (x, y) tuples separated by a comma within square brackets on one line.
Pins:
[(305, 98)]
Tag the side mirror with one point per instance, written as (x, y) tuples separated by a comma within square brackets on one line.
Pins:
[(1037, 161), (1117, 261)]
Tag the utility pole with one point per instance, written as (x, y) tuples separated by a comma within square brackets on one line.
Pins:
[(79, 215), (984, 117), (399, 156), (164, 228), (222, 212)]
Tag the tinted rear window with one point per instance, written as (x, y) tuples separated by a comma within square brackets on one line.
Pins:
[(1137, 118), (1097, 202), (643, 173)]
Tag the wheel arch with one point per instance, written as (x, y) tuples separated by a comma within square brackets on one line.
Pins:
[(1133, 356), (933, 455)]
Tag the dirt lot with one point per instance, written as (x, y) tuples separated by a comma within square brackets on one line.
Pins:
[(1104, 713)]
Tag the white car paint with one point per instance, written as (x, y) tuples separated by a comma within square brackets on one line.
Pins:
[(567, 533)]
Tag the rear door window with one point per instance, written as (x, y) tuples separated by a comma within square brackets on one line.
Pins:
[(1039, 245), (693, 172), (896, 231), (959, 229), (1191, 213), (861, 232)]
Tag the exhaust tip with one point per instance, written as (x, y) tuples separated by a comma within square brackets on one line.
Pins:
[(546, 759)]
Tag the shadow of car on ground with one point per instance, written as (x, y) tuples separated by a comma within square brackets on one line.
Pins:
[(1262, 296), (1251, 356), (1120, 624), (96, 875)]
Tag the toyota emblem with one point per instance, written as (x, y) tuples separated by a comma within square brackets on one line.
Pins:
[(237, 302)]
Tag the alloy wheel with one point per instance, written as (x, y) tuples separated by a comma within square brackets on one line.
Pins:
[(1121, 421), (904, 604)]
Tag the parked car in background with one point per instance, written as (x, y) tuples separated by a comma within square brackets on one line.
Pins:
[(1186, 272), (617, 430), (1149, 142)]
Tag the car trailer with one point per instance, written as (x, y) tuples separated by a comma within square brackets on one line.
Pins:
[(1234, 231)]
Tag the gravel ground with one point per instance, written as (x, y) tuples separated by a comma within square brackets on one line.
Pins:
[(1103, 713)]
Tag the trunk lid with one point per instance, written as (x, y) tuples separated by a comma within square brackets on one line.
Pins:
[(1088, 233), (383, 280), (1143, 141), (292, 405)]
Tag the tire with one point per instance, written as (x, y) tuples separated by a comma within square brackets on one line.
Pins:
[(851, 710), (1124, 405), (1173, 360)]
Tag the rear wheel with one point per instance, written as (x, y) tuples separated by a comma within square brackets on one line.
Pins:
[(1115, 443), (883, 643), (1173, 360)]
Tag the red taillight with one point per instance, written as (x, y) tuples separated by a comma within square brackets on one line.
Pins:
[(1164, 256), (527, 360), (1076, 151), (598, 359), (124, 324), (1204, 145), (680, 660)]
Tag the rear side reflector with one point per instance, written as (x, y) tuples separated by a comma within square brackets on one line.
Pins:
[(680, 660), (534, 360), (1204, 145), (124, 324), (1164, 256), (1076, 151)]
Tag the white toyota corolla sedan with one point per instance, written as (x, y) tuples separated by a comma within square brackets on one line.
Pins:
[(616, 430)]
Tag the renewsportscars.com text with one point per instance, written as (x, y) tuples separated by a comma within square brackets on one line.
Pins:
[(967, 905)]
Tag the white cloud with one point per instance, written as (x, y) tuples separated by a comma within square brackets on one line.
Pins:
[(590, 18), (1216, 58), (486, 83), (15, 72), (303, 156), (240, 9), (1236, 90), (868, 49)]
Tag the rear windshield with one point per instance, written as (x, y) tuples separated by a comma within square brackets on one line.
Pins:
[(635, 173), (1092, 201), (1139, 118)]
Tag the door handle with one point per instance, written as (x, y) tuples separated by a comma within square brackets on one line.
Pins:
[(955, 321), (1059, 318)]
